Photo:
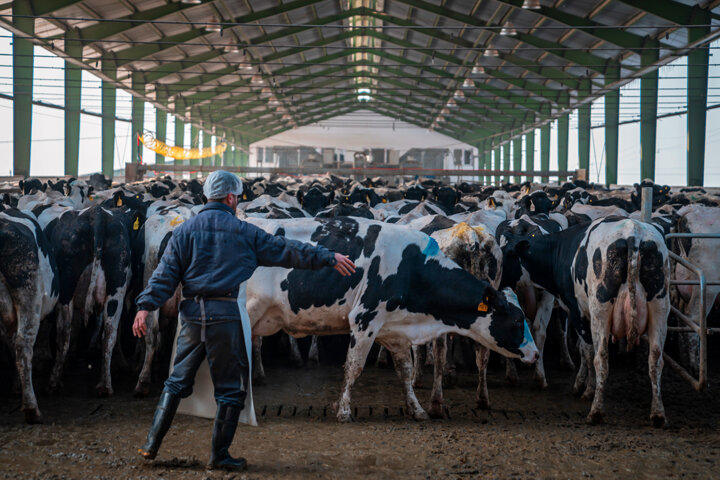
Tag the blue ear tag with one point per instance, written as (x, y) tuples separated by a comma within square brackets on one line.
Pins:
[(527, 336), (431, 249)]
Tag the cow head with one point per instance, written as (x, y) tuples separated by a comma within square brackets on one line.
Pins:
[(578, 195), (446, 197), (315, 199), (508, 332), (416, 192)]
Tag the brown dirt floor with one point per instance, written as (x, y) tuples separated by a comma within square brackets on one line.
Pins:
[(528, 434)]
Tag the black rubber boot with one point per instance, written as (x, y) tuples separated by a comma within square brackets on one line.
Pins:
[(164, 413), (226, 422)]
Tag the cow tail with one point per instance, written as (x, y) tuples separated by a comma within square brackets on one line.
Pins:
[(98, 243), (633, 277)]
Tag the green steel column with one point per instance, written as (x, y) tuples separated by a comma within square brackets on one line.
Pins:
[(227, 158), (160, 121), (206, 142), (545, 150), (563, 131), (108, 118), (506, 161), (517, 158), (217, 159), (612, 119), (584, 112), (194, 143), (697, 87), (488, 161), (497, 163), (530, 155), (22, 88), (137, 116), (73, 90), (648, 112)]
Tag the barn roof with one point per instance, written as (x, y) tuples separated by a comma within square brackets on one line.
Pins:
[(257, 68)]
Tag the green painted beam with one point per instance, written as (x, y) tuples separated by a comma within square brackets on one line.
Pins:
[(563, 124), (488, 160), (517, 157), (506, 161), (73, 92), (530, 154), (179, 135), (137, 117), (545, 150), (612, 121), (616, 36), (22, 57), (497, 164), (109, 96), (697, 88), (207, 142), (45, 7), (648, 114), (666, 9), (194, 143), (161, 118), (584, 112)]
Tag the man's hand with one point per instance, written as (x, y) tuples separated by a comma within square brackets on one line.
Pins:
[(140, 324), (344, 265)]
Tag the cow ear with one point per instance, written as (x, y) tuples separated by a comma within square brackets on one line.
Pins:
[(67, 189), (331, 196), (300, 196), (20, 184)]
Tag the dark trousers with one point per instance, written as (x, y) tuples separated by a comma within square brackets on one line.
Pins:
[(224, 348)]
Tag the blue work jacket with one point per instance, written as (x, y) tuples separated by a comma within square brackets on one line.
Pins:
[(214, 252)]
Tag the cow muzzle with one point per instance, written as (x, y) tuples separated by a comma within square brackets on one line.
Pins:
[(528, 350)]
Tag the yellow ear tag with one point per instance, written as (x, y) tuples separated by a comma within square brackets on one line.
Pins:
[(384, 200), (90, 197), (482, 307), (367, 198), (176, 221), (119, 202), (136, 225), (244, 196)]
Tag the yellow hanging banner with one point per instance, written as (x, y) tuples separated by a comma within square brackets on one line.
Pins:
[(179, 153)]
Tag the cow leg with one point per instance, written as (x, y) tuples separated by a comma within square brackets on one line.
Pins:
[(600, 343), (258, 372), (28, 326), (511, 375), (419, 357), (152, 338), (314, 352), (449, 368), (540, 324), (657, 330), (482, 356), (360, 344), (295, 356), (582, 380), (382, 359), (403, 366), (111, 319), (62, 344), (439, 359)]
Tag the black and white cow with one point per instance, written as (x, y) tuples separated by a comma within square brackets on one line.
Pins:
[(92, 248), (28, 292), (404, 292), (613, 278)]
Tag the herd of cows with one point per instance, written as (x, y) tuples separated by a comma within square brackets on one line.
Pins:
[(434, 261)]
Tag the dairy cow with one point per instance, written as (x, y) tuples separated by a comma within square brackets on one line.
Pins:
[(404, 292), (28, 292), (612, 276)]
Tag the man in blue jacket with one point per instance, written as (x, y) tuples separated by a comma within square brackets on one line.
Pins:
[(212, 254)]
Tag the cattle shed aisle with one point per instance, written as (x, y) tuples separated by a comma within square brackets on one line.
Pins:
[(488, 74)]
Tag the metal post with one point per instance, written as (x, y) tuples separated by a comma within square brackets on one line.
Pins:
[(584, 113), (697, 86), (612, 118), (646, 210), (488, 161), (137, 117), (517, 158), (506, 161), (160, 121), (206, 142), (545, 150), (227, 156), (194, 143), (530, 155), (108, 117), (23, 56), (179, 136), (497, 163), (648, 111), (73, 90), (563, 131)]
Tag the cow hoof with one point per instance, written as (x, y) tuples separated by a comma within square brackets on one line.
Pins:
[(33, 416), (541, 383), (594, 418), (658, 420), (421, 415), (436, 411), (104, 392), (587, 395), (142, 390), (345, 417)]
